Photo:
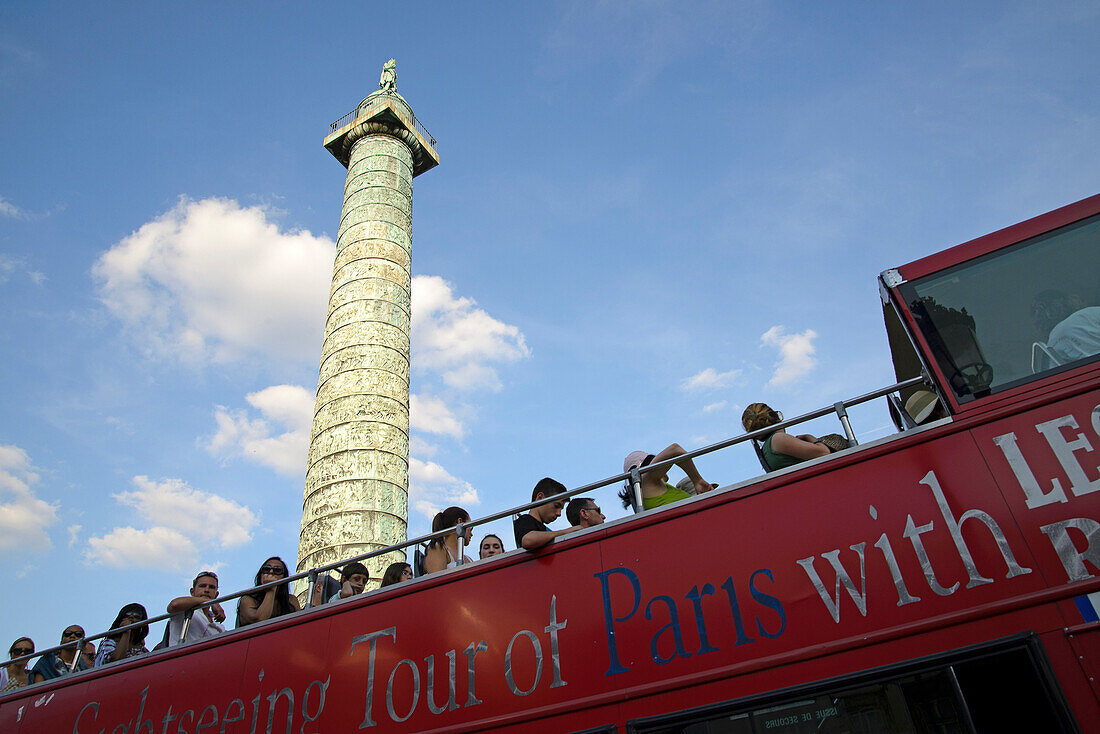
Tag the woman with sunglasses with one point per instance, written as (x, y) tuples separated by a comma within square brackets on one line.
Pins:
[(780, 449), (16, 675), (56, 664), (274, 601), (128, 643)]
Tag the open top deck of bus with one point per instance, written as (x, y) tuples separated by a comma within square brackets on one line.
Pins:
[(938, 579)]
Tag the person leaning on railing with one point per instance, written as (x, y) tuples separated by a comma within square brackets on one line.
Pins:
[(128, 643), (780, 449), (16, 675), (273, 601), (205, 622), (656, 490), (59, 663)]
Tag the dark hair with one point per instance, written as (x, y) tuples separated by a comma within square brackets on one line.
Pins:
[(17, 641), (573, 509), (449, 518), (137, 634), (282, 592), (394, 572), (547, 487), (353, 568), (491, 535)]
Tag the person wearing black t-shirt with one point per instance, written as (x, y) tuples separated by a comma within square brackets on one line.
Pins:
[(531, 531)]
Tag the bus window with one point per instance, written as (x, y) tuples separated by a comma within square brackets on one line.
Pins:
[(1016, 314), (980, 692)]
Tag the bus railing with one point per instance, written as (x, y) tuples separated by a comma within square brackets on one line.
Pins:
[(634, 476)]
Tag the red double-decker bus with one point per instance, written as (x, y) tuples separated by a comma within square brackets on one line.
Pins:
[(940, 579)]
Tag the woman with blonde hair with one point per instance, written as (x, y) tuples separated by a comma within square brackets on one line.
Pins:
[(442, 552), (779, 449)]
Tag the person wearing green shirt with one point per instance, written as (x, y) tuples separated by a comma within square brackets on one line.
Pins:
[(656, 490)]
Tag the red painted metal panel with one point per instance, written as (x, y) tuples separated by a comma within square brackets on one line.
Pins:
[(1047, 463), (690, 600)]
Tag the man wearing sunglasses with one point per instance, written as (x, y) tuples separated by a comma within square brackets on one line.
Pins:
[(59, 663), (205, 622)]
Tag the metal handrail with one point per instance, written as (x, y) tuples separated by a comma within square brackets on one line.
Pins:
[(354, 114), (839, 408)]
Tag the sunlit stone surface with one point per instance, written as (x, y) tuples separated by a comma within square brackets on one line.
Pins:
[(357, 473)]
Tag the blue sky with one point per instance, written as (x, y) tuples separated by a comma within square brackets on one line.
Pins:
[(647, 215)]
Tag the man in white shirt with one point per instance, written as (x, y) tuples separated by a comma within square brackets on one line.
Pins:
[(205, 622)]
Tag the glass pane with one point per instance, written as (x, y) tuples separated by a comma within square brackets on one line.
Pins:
[(912, 705), (1016, 314)]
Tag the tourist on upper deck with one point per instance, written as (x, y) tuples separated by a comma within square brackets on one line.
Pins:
[(87, 654), (531, 528), (396, 573), (17, 675), (353, 579), (584, 512), (780, 449), (128, 643), (491, 545), (656, 490), (1071, 329), (443, 552), (56, 664), (274, 601), (206, 622)]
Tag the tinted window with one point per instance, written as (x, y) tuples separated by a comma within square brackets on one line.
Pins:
[(1008, 317)]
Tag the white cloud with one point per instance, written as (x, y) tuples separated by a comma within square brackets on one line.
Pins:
[(7, 209), (23, 516), (709, 379), (796, 354), (157, 547), (74, 534), (254, 439), (182, 520), (450, 335), (419, 447), (431, 488), (714, 406), (212, 280), (431, 415)]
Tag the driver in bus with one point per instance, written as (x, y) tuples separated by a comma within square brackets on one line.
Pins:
[(1072, 329)]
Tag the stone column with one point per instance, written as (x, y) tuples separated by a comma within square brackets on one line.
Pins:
[(356, 490)]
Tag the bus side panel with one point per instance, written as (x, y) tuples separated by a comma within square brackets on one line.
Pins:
[(824, 558), (1073, 660), (1047, 463)]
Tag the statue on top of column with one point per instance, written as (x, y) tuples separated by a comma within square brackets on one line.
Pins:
[(388, 81)]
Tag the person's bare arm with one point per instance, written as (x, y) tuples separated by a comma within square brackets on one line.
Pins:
[(533, 539), (252, 612), (794, 446), (121, 647), (183, 603)]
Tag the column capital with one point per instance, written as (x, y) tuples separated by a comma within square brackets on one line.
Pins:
[(385, 113)]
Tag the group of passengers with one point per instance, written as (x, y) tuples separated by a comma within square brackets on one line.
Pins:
[(273, 599)]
